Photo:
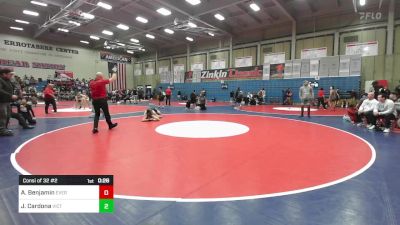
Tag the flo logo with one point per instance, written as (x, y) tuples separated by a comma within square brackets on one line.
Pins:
[(372, 15)]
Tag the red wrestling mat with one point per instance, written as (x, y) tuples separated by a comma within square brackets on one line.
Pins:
[(275, 156), (67, 110), (292, 110), (59, 103)]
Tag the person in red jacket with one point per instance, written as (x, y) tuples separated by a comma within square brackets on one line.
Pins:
[(49, 98), (99, 96), (168, 94)]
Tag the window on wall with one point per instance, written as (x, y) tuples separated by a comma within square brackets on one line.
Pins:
[(219, 60), (149, 68), (267, 49), (197, 66), (315, 46), (216, 64), (350, 39), (244, 57), (364, 40), (137, 70), (244, 61), (198, 62)]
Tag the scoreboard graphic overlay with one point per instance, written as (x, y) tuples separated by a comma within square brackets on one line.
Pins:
[(66, 194)]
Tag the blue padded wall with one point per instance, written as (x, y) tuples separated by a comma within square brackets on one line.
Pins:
[(41, 85), (273, 87)]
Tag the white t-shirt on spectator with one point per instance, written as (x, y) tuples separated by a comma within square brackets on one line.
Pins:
[(368, 105)]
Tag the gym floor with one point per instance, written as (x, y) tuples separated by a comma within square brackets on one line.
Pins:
[(257, 165)]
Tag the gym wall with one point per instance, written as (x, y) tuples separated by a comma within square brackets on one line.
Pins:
[(245, 52), (198, 59), (140, 77), (219, 55), (315, 42), (275, 48), (273, 88), (84, 64), (377, 67)]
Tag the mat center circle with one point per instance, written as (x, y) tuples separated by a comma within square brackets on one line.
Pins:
[(295, 109), (74, 110), (202, 129)]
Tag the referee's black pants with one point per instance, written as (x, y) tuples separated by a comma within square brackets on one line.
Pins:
[(47, 102), (103, 105), (168, 100)]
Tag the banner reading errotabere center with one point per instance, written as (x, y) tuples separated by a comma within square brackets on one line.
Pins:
[(242, 73)]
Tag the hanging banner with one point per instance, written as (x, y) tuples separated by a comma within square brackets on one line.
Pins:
[(276, 71), (137, 71), (179, 73), (164, 74), (63, 74), (296, 68), (37, 65), (324, 68), (192, 77), (48, 66), (252, 72), (14, 63), (266, 71), (197, 66), (288, 69), (244, 61), (196, 76), (334, 66), (115, 58), (329, 66), (363, 49), (355, 66), (305, 68), (314, 67), (218, 64), (149, 71), (275, 58), (196, 69), (344, 68), (189, 77), (163, 69), (313, 53), (5, 67)]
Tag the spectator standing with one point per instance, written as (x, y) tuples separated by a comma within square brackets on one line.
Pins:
[(306, 95), (168, 94), (6, 97)]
